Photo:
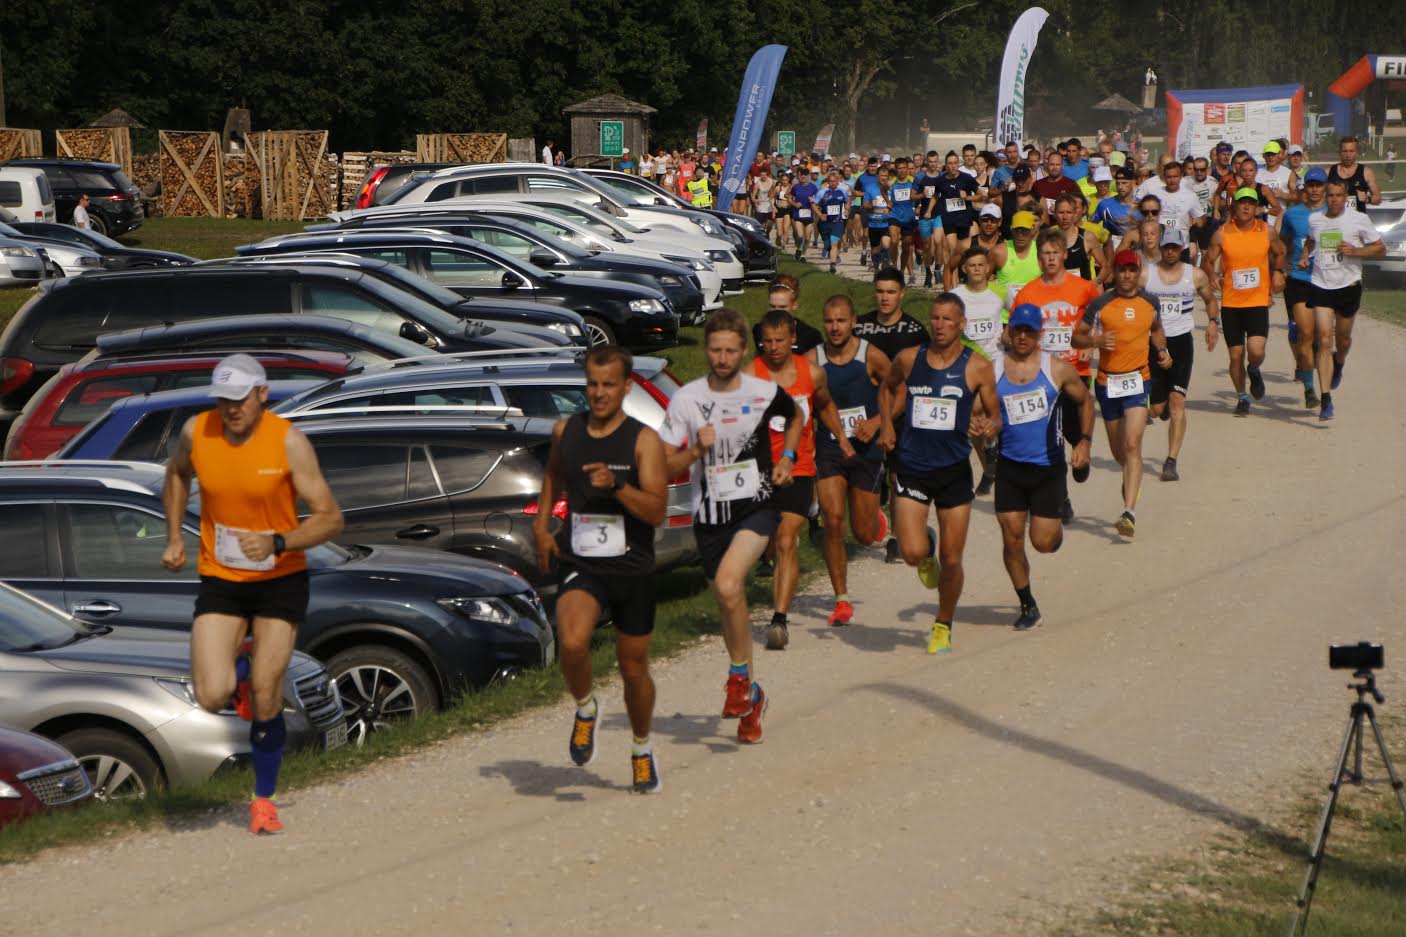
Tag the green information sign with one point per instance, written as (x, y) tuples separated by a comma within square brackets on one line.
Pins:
[(786, 142), (612, 138)]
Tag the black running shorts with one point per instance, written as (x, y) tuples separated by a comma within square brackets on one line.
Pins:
[(860, 473), (1297, 291), (1166, 381), (1237, 324), (947, 487), (1038, 490), (628, 600), (1344, 302), (284, 598), (795, 498), (714, 539)]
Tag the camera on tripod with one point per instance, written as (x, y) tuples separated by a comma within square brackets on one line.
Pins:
[(1360, 656)]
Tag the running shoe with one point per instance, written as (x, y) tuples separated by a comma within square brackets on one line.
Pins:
[(1256, 382), (263, 816), (1310, 398), (928, 571), (927, 278), (940, 641), (983, 487), (911, 281), (583, 738), (1029, 618), (891, 554), (1169, 471), (242, 702), (738, 699), (832, 268), (798, 253), (842, 615), (883, 527), (1066, 512), (1337, 373), (1126, 524), (645, 772), (749, 727), (1080, 475), (766, 568), (1242, 407), (1326, 412), (777, 636)]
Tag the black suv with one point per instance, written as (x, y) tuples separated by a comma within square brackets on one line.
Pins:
[(64, 320), (115, 202), (401, 629), (255, 333)]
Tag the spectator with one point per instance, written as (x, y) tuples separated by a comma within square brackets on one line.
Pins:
[(80, 214), (547, 152)]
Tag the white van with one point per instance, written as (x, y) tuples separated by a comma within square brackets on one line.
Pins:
[(25, 193)]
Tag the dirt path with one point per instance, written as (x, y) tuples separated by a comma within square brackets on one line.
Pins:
[(1178, 682)]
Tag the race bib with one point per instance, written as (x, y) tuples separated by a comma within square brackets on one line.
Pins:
[(1246, 279), (803, 214), (229, 553), (1173, 223), (736, 482), (1057, 338), (956, 204), (935, 413), (778, 423), (1330, 246), (850, 420), (1049, 206), (980, 330), (903, 195), (1170, 307), (1125, 385), (879, 202), (598, 534), (928, 191), (832, 211), (1028, 406), (1352, 202)]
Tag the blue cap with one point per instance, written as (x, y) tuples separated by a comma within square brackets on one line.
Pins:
[(1315, 175), (1027, 315)]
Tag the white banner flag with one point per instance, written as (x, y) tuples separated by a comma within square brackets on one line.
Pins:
[(1010, 99)]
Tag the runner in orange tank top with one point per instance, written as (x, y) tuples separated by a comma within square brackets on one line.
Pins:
[(804, 380), (252, 467), (1251, 258)]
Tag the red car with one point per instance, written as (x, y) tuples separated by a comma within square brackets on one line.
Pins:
[(81, 391), (37, 774)]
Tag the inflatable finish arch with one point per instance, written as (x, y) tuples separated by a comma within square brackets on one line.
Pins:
[(1355, 80)]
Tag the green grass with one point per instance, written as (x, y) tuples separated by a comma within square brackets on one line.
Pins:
[(1385, 303)]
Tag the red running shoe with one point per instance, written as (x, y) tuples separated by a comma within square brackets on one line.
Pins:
[(749, 727), (739, 696), (842, 614), (263, 816), (883, 527)]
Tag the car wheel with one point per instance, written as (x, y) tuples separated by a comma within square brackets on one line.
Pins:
[(118, 766), (58, 271), (380, 686), (98, 222), (598, 332)]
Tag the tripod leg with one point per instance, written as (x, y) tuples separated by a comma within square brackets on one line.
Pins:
[(1325, 822), (1396, 784)]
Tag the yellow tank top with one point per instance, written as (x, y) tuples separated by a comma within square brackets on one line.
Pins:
[(1244, 265), (248, 487)]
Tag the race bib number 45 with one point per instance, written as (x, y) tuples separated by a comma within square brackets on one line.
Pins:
[(736, 482), (935, 413)]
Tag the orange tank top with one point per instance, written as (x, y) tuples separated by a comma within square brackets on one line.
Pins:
[(248, 487), (1244, 265), (801, 392)]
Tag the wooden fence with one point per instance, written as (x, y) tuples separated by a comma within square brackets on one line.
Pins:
[(461, 147), (100, 144), (292, 173), (192, 174), (18, 144)]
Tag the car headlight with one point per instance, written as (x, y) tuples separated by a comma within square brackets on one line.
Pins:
[(87, 260), (17, 251), (747, 224), (9, 793), (569, 329), (720, 256), (711, 226), (184, 690), (692, 263), (671, 281), (494, 611), (646, 305)]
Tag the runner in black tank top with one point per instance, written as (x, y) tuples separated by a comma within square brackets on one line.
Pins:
[(612, 470), (1359, 192)]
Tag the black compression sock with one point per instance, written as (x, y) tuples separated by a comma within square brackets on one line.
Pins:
[(1027, 598), (778, 618)]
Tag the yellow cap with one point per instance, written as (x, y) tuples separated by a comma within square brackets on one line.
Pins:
[(1022, 219), (1248, 193)]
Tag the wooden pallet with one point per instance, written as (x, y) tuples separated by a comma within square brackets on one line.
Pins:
[(192, 174), (294, 176), (19, 144), (99, 144), (461, 147)]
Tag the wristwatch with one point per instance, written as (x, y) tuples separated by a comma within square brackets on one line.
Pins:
[(279, 545), (788, 454), (619, 482)]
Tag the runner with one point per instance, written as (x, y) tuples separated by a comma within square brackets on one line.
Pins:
[(1130, 319), (804, 380), (1016, 261), (876, 213), (955, 196), (762, 203), (940, 379), (716, 427), (1052, 184), (1081, 248), (929, 220), (1277, 176), (1118, 213), (1337, 241), (1019, 197), (253, 468), (1298, 288), (1246, 250), (611, 469), (1030, 479), (1174, 285), (903, 218), (803, 194), (988, 229), (1362, 188), (1181, 208), (833, 206), (985, 306), (784, 294), (849, 470)]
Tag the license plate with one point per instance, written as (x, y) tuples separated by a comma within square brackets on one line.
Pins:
[(334, 737)]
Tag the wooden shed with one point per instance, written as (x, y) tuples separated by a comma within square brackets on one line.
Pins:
[(586, 118)]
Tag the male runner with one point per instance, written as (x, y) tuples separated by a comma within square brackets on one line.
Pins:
[(833, 206), (988, 229), (611, 468), (1181, 208), (1016, 261), (1081, 248), (853, 370), (1279, 177), (1030, 479), (876, 213), (804, 380), (803, 195), (985, 306), (1246, 250), (785, 294), (716, 427), (954, 200), (903, 219), (1298, 288), (1174, 286), (1337, 241), (1018, 197), (1129, 318), (1053, 184), (929, 221), (941, 379), (253, 467), (1362, 188)]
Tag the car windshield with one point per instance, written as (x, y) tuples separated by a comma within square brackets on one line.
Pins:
[(101, 240), (630, 194), (423, 287), (9, 231), (27, 624)]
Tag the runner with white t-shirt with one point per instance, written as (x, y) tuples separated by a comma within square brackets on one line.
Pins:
[(1278, 177), (1181, 208), (1337, 241), (985, 307)]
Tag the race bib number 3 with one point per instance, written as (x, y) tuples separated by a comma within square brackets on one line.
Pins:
[(229, 553), (1125, 385), (1246, 279), (1027, 406), (935, 413), (850, 420), (598, 534), (736, 482)]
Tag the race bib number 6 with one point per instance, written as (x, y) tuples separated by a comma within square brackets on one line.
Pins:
[(736, 482)]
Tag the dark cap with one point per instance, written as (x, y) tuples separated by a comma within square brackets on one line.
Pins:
[(1020, 173), (1124, 172)]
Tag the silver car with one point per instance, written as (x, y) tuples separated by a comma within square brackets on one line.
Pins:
[(20, 264), (122, 701)]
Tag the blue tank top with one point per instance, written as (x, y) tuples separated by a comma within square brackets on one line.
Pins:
[(939, 410), (901, 194), (1031, 421), (856, 398)]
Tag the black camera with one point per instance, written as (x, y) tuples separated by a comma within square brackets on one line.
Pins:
[(1359, 656)]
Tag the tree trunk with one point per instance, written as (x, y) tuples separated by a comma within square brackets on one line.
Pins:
[(861, 74)]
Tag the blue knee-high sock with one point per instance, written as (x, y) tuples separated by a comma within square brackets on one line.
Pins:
[(267, 738)]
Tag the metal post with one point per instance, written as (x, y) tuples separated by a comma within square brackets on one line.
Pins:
[(2, 88)]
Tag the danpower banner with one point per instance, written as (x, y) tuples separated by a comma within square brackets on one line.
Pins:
[(1010, 94), (749, 123)]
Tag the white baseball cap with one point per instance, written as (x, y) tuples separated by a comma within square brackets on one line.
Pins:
[(1102, 174), (236, 376), (989, 211), (887, 158), (1295, 150)]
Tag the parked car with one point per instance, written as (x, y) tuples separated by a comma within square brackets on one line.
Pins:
[(146, 427), (62, 322), (121, 700), (402, 630), (116, 202), (1389, 268), (383, 181), (25, 193), (635, 316), (81, 391), (20, 264), (115, 256), (37, 774), (254, 333), (66, 259)]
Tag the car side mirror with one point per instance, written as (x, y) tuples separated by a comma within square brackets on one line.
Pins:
[(541, 257), (510, 281), (415, 332)]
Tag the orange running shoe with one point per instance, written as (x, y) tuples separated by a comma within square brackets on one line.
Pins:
[(883, 527), (263, 816), (739, 696), (842, 614), (749, 727), (243, 699)]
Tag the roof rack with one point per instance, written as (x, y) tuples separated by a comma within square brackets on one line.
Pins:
[(460, 413), (77, 463), (527, 355), (294, 354)]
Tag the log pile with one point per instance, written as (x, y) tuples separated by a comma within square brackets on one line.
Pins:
[(461, 147), (99, 144), (296, 179), (192, 174), (146, 173), (241, 198), (18, 144), (357, 166)]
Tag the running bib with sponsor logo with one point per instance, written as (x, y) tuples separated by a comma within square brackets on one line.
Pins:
[(850, 420), (1170, 307), (928, 190), (734, 482), (1027, 406), (1352, 202), (1330, 244), (803, 214), (980, 330), (1057, 338), (879, 202), (833, 210), (956, 204), (229, 553), (778, 423), (1125, 385), (934, 413), (598, 534), (1246, 279)]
